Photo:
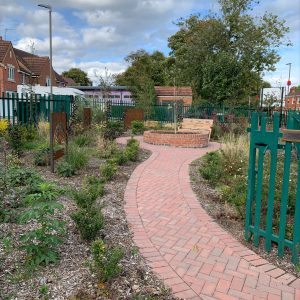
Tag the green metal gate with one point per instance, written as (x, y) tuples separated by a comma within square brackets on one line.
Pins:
[(260, 225)]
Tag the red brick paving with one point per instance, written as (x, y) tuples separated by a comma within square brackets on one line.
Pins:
[(194, 256)]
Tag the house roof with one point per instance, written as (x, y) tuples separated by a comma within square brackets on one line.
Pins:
[(36, 63), (169, 91), (4, 45), (69, 81), (294, 91)]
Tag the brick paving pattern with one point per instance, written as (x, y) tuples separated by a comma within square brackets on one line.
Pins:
[(194, 256)]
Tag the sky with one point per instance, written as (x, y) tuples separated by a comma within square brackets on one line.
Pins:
[(98, 34)]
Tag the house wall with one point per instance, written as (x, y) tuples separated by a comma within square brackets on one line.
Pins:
[(187, 100), (6, 84)]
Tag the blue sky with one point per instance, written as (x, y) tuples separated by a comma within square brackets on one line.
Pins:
[(98, 34)]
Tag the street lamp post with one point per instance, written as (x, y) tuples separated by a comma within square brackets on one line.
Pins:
[(51, 86), (289, 80), (50, 37)]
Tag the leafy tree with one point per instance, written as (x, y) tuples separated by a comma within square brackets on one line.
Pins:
[(79, 76), (144, 72), (224, 55)]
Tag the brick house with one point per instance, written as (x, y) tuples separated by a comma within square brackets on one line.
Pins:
[(19, 67), (292, 100), (167, 94)]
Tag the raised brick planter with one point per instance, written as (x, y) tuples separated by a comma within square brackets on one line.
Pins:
[(180, 139)]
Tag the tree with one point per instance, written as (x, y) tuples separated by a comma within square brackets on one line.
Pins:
[(79, 76), (224, 55), (144, 72)]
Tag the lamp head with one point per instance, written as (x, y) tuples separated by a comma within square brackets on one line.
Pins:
[(45, 6)]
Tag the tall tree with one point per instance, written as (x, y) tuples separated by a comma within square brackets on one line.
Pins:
[(144, 72), (79, 76), (224, 55)]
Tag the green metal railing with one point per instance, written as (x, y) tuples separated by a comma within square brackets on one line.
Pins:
[(28, 109), (260, 222)]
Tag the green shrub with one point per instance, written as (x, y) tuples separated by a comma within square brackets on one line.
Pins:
[(105, 260), (88, 222), (41, 156), (110, 149), (137, 127), (120, 158), (84, 139), (42, 192), (41, 243), (113, 129), (17, 138), (211, 168), (92, 180), (132, 142), (77, 157), (87, 196), (108, 170), (65, 169), (17, 176), (236, 194)]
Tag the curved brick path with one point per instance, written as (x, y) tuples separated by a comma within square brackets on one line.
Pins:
[(194, 256)]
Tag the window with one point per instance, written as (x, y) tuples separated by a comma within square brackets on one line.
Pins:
[(48, 81), (126, 96), (23, 78), (299, 100), (11, 72), (117, 96)]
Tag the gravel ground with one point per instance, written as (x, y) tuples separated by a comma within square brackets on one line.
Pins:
[(226, 216), (71, 278)]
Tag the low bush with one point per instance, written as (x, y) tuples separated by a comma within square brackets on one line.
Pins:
[(109, 149), (77, 156), (17, 138), (41, 156), (113, 129), (137, 127), (106, 261), (108, 170), (211, 168), (133, 143), (88, 222), (87, 196), (120, 158), (65, 169)]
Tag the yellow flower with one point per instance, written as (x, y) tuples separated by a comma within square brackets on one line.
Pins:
[(3, 126)]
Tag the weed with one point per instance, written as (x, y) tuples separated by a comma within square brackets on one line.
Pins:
[(17, 138), (44, 290)]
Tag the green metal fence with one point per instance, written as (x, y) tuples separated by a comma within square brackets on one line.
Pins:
[(27, 109), (260, 205)]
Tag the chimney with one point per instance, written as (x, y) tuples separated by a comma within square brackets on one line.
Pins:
[(0, 38)]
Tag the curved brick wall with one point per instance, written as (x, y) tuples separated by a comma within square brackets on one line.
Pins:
[(180, 139)]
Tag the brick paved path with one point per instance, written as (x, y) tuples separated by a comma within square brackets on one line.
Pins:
[(194, 256)]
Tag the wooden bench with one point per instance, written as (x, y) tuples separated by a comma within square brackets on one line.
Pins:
[(190, 125)]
